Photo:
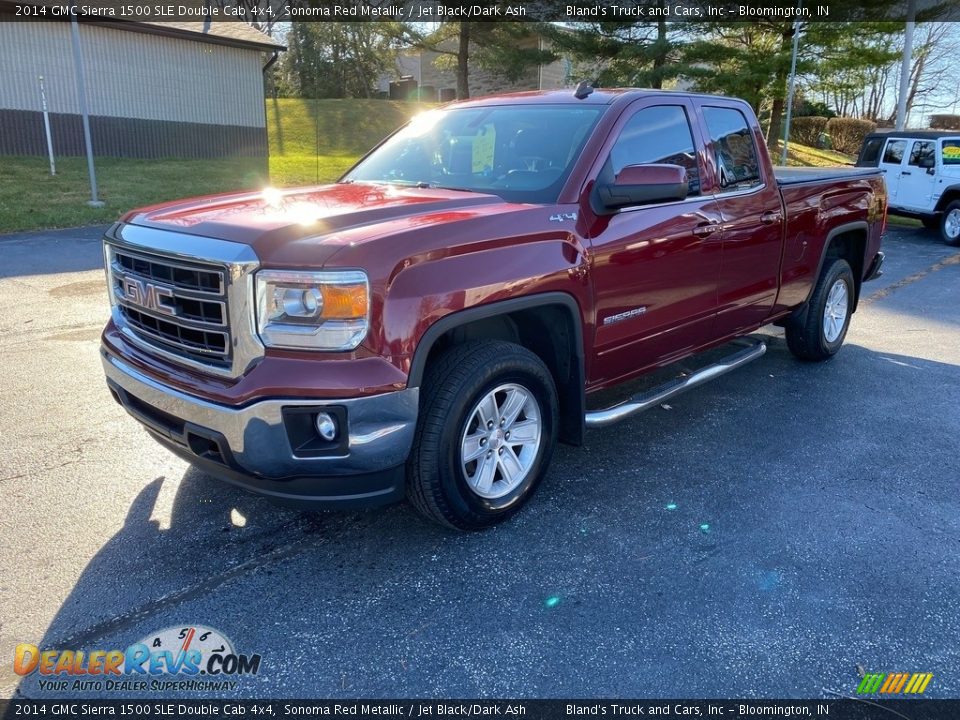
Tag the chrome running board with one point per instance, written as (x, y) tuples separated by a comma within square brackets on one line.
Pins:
[(645, 401)]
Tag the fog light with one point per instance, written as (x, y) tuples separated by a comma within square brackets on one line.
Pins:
[(326, 426)]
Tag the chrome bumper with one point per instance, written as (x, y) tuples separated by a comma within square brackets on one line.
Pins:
[(250, 445)]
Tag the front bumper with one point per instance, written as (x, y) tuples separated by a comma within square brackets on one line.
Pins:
[(258, 446)]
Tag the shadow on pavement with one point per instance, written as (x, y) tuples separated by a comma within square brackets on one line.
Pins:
[(48, 252), (777, 479)]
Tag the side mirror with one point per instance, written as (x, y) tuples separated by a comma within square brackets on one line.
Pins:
[(643, 184)]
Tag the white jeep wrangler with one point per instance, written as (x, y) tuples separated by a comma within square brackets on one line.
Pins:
[(922, 170)]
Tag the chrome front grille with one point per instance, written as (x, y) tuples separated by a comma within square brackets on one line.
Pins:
[(184, 298), (182, 307)]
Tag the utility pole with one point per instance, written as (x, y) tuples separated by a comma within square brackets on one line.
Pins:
[(94, 200), (905, 65), (793, 86)]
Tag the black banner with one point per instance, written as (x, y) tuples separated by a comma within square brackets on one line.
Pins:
[(569, 11), (841, 709)]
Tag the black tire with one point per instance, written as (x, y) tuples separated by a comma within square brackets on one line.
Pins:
[(931, 222), (806, 336), (453, 386), (949, 221)]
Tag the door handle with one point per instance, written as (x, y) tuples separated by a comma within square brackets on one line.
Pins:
[(706, 229), (906, 173), (769, 217)]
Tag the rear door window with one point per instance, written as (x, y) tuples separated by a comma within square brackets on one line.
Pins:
[(950, 152), (922, 150), (734, 151)]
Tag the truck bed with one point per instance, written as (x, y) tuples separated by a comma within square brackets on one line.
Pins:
[(797, 175)]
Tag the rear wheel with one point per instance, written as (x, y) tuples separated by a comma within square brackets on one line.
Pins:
[(950, 223), (485, 435), (820, 333)]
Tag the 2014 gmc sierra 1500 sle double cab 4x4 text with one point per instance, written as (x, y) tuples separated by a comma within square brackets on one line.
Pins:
[(432, 324)]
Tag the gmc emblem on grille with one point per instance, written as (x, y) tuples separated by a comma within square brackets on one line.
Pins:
[(147, 295)]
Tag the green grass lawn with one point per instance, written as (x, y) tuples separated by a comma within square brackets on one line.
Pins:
[(805, 156), (31, 199), (337, 132)]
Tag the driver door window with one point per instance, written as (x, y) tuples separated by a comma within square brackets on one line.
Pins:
[(658, 135)]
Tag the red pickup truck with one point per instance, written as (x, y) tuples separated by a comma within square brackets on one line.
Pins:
[(433, 323)]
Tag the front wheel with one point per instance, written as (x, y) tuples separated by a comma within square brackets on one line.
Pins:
[(819, 334), (950, 224), (485, 435)]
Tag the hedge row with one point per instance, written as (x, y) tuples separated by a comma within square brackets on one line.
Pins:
[(945, 122), (847, 134), (807, 130)]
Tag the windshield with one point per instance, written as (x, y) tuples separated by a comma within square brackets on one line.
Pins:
[(522, 153)]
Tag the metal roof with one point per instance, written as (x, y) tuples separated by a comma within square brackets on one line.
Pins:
[(236, 33)]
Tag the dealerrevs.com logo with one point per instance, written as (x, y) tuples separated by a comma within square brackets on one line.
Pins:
[(178, 658)]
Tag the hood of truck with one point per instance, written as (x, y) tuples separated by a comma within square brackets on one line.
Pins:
[(289, 227)]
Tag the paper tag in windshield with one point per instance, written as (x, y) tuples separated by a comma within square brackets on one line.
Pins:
[(483, 146)]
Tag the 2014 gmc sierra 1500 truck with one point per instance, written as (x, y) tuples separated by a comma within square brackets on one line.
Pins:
[(433, 323)]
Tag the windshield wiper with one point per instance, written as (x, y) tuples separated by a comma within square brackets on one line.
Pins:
[(437, 186)]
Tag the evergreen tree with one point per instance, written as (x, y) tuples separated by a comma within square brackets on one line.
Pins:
[(502, 48), (621, 53)]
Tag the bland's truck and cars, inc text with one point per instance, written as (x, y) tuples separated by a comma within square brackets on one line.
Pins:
[(432, 324)]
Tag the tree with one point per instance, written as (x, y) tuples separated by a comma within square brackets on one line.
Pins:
[(502, 48), (858, 69), (335, 60), (746, 60), (752, 60), (621, 53), (850, 67)]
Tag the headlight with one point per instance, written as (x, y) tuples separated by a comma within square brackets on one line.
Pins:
[(313, 310)]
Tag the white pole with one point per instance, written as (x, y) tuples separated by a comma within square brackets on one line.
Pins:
[(94, 201), (793, 86), (46, 127), (905, 65)]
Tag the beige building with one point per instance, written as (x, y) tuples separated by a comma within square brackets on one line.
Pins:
[(185, 89)]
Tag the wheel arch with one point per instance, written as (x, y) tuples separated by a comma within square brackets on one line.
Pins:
[(849, 242), (948, 195), (548, 324)]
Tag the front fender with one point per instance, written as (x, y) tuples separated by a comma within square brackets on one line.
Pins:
[(429, 289)]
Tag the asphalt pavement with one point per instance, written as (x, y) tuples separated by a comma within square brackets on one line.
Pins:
[(764, 536)]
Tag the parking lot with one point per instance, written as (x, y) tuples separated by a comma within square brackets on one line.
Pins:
[(763, 536)]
